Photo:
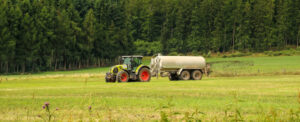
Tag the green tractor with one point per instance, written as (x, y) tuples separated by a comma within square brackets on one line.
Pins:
[(129, 69)]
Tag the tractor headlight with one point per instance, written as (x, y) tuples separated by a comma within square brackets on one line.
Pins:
[(115, 70)]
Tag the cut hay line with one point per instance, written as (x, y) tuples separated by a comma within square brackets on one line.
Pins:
[(56, 76)]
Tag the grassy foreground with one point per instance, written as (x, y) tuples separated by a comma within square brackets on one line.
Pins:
[(83, 95)]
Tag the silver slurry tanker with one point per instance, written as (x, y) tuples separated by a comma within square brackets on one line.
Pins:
[(179, 67)]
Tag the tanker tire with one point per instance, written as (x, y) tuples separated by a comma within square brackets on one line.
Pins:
[(173, 77), (185, 75), (144, 75), (122, 77), (197, 75)]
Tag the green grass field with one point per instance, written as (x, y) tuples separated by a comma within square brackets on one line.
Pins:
[(253, 66), (243, 88)]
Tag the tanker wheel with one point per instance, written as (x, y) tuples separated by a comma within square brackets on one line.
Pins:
[(173, 77), (197, 75), (123, 76), (185, 75), (144, 75)]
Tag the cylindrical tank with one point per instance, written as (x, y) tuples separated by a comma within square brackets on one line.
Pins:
[(178, 62)]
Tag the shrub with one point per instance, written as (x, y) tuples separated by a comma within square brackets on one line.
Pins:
[(195, 53), (224, 56), (173, 54), (268, 53), (208, 54), (239, 54), (288, 52), (218, 54), (277, 53)]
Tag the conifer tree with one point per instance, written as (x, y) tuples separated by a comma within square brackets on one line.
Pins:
[(89, 32)]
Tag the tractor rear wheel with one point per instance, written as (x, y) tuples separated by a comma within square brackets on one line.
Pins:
[(122, 76), (144, 75), (185, 75), (197, 75)]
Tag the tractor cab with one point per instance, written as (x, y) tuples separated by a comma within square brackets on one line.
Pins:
[(132, 62), (129, 69)]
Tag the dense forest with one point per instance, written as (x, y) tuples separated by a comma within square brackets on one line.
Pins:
[(41, 35)]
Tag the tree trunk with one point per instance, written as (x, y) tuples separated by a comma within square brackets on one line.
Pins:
[(298, 39), (23, 68), (88, 62), (55, 65), (51, 59), (40, 65), (79, 64), (32, 68), (65, 65), (6, 66), (70, 66), (233, 37), (50, 64), (102, 62), (1, 67), (224, 46), (99, 63), (109, 60)]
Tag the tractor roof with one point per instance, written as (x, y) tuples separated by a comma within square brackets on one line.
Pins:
[(134, 56)]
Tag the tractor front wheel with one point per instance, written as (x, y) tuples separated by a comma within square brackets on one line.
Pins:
[(144, 75), (122, 76)]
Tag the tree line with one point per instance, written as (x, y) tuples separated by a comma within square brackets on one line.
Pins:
[(42, 35)]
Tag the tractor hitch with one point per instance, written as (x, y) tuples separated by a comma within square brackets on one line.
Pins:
[(109, 77)]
